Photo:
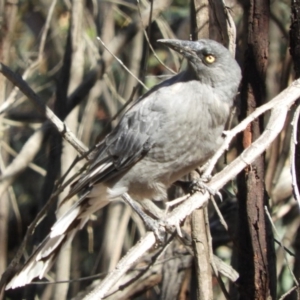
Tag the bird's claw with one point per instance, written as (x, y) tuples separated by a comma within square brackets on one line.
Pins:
[(157, 228), (196, 185), (201, 186), (162, 228)]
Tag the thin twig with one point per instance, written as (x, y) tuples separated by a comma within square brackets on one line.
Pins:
[(17, 80), (285, 248), (149, 44), (45, 30), (113, 89), (150, 265), (289, 292), (124, 264), (285, 258), (32, 166), (21, 161), (216, 207), (229, 135), (122, 64), (211, 256), (31, 228), (11, 100)]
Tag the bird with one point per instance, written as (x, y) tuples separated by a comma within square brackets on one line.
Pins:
[(166, 133)]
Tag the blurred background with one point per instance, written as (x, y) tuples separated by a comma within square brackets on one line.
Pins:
[(53, 45)]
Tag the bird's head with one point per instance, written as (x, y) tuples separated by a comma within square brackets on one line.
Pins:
[(211, 62)]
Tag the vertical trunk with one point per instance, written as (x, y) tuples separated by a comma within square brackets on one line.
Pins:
[(200, 23), (256, 257), (295, 53)]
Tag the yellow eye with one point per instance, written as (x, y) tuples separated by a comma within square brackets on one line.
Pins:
[(210, 59)]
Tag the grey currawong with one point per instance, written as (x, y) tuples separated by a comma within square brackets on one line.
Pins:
[(165, 134)]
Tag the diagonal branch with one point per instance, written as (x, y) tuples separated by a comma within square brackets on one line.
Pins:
[(61, 127), (279, 107)]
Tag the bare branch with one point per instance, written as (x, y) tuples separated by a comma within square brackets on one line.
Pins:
[(281, 245), (149, 44), (122, 64), (60, 126), (21, 161), (288, 93), (279, 106), (45, 31)]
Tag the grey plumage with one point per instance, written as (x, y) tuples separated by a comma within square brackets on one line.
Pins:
[(167, 133)]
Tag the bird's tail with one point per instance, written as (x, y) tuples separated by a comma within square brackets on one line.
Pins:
[(62, 233)]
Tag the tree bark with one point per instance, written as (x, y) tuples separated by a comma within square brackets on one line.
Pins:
[(256, 257), (200, 23)]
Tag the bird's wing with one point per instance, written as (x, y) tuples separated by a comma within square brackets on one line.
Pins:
[(124, 146)]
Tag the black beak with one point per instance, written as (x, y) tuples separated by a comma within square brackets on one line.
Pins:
[(185, 48)]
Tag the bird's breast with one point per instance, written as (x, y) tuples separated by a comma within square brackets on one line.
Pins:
[(191, 121)]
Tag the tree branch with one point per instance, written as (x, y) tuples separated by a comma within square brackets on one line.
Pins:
[(44, 110), (279, 107)]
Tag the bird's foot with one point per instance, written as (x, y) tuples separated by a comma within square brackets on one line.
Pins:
[(200, 185), (157, 228), (196, 185), (152, 225)]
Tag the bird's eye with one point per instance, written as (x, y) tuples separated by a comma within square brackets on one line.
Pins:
[(210, 58)]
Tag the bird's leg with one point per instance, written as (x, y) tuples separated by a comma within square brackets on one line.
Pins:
[(196, 185), (172, 203), (199, 185), (152, 209), (151, 224)]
